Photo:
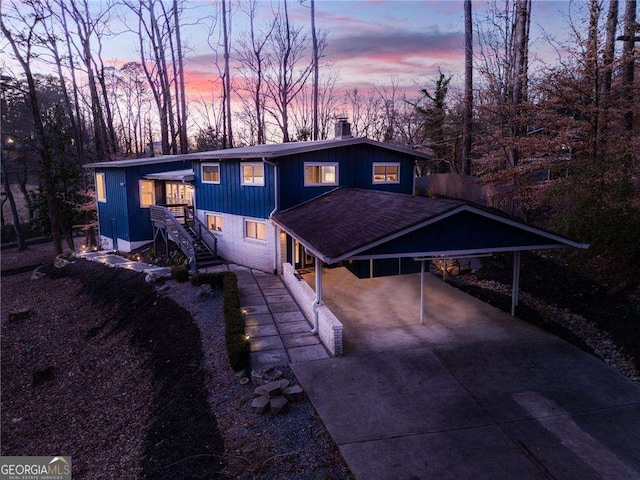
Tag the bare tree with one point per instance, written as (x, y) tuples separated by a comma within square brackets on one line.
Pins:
[(629, 59), (226, 33), (364, 110), (251, 54), (87, 28), (329, 102), (287, 74), (22, 43), (607, 69), (316, 74), (503, 65), (468, 88)]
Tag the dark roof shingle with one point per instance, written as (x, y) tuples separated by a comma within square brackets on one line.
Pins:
[(347, 219)]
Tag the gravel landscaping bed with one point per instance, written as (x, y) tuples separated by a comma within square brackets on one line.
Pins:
[(291, 445)]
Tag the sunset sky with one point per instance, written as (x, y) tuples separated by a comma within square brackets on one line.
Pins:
[(370, 42)]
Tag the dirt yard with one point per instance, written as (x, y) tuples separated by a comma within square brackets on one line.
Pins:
[(98, 365)]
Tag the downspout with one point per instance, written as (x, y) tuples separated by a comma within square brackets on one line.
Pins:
[(415, 174), (275, 209), (318, 301)]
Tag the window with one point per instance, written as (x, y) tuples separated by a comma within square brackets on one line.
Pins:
[(252, 174), (179, 193), (253, 229), (320, 174), (386, 173), (210, 173), (214, 222), (101, 188), (147, 193)]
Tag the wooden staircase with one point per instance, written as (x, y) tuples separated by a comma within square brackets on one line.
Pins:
[(191, 235), (203, 254)]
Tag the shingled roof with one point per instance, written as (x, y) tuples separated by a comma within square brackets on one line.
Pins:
[(264, 151), (346, 221)]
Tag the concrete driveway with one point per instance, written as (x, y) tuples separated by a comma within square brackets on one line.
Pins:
[(474, 394)]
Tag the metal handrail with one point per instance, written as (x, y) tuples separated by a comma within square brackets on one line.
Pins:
[(161, 217), (208, 238)]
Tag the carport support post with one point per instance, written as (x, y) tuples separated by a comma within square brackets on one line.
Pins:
[(421, 292), (318, 300), (515, 290)]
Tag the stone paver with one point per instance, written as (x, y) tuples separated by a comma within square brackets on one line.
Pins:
[(259, 344), (269, 357), (285, 317), (278, 331), (275, 291), (271, 299), (308, 353), (294, 327), (254, 309), (299, 340), (261, 330), (261, 319), (284, 307), (252, 300)]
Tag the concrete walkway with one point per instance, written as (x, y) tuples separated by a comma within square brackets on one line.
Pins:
[(277, 329), (107, 257)]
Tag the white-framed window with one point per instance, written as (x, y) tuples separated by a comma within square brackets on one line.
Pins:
[(252, 174), (320, 174), (211, 173), (386, 173), (214, 221), (101, 187), (147, 193), (255, 229)]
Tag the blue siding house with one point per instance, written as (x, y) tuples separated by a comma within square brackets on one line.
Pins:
[(235, 192), (280, 208), (266, 205)]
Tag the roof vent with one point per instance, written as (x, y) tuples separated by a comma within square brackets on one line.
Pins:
[(343, 128)]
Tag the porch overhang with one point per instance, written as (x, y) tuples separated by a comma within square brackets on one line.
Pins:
[(354, 224), (174, 176)]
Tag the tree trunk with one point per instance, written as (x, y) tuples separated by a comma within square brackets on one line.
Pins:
[(45, 151), (592, 72), (74, 83), (165, 85), (227, 75), (315, 70), (519, 79), (628, 53), (607, 70), (184, 141), (468, 89), (12, 204)]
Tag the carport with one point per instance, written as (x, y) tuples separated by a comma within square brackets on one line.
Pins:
[(375, 233)]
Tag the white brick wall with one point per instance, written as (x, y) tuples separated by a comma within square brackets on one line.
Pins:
[(234, 247), (106, 243), (330, 328)]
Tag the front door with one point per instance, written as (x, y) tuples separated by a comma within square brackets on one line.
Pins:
[(301, 258)]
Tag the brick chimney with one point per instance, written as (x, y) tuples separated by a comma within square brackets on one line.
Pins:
[(343, 128)]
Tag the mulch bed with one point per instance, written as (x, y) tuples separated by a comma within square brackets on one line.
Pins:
[(121, 382)]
